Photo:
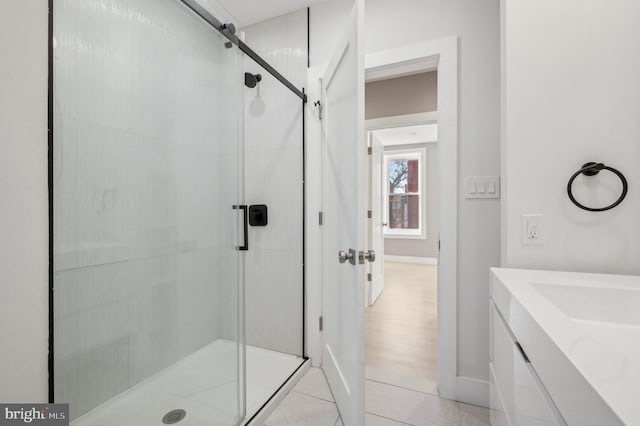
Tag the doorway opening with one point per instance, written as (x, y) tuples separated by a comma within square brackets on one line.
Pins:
[(401, 323)]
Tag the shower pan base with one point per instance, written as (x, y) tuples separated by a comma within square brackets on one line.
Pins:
[(203, 384)]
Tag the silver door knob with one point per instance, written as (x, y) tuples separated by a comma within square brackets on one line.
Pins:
[(370, 255), (343, 256)]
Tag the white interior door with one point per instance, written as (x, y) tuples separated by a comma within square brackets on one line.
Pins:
[(344, 225), (377, 218)]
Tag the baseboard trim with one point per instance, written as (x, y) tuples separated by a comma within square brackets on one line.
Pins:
[(411, 259), (472, 391)]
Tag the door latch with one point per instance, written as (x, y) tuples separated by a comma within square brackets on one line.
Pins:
[(370, 255)]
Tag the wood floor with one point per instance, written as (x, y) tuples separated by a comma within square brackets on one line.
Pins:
[(401, 328)]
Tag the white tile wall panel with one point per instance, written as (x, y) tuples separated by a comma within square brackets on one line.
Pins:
[(274, 174)]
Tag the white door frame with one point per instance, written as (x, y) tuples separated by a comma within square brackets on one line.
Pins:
[(443, 55), (369, 235)]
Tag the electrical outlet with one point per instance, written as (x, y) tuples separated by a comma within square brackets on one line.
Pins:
[(532, 229)]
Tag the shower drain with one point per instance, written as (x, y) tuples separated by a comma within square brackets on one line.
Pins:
[(174, 416)]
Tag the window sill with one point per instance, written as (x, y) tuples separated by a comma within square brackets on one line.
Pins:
[(405, 236)]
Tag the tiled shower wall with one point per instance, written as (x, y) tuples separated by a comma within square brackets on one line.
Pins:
[(273, 176), (148, 103)]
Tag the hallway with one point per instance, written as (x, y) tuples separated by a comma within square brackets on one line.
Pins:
[(401, 328)]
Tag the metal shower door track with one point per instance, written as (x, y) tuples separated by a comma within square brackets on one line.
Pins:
[(229, 33)]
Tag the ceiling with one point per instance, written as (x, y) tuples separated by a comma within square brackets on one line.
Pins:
[(422, 133), (248, 12)]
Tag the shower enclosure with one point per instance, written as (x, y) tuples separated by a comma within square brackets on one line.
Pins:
[(167, 304)]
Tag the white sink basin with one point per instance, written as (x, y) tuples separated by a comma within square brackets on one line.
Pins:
[(610, 305), (581, 332)]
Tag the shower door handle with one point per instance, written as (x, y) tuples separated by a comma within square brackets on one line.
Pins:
[(245, 226)]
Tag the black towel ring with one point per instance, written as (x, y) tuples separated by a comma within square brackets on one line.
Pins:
[(592, 169)]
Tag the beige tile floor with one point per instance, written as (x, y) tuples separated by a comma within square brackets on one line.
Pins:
[(311, 403), (401, 328)]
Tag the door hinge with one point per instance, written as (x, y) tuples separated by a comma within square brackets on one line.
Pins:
[(320, 218), (318, 105), (368, 277), (368, 214), (320, 324), (369, 150)]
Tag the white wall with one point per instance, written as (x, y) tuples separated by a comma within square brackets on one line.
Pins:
[(327, 22), (572, 94), (23, 190), (273, 176), (476, 23)]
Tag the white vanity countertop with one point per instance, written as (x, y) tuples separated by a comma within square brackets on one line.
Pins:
[(594, 319)]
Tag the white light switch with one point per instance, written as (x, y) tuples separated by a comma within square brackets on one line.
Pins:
[(532, 229), (482, 187)]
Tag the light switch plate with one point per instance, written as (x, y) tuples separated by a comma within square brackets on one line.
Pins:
[(482, 187)]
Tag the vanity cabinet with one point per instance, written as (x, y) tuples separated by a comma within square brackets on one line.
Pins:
[(518, 397), (548, 365)]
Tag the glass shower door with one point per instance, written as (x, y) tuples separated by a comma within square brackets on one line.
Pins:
[(147, 168)]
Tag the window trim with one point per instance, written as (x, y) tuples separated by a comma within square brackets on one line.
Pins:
[(419, 153)]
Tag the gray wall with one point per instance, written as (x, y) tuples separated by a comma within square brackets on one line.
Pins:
[(410, 95), (403, 95), (421, 247)]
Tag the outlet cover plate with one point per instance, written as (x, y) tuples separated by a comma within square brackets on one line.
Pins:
[(532, 227)]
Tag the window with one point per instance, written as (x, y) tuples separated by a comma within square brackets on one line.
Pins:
[(404, 182)]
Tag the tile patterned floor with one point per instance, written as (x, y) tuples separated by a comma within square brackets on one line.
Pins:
[(311, 403)]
